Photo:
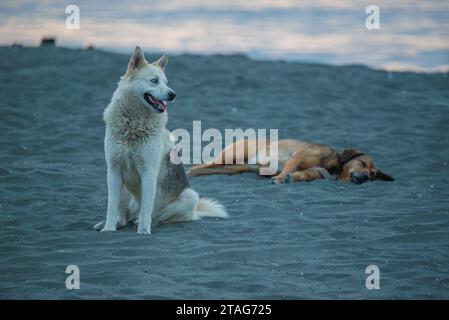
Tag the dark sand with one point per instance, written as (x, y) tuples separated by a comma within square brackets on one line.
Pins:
[(309, 240)]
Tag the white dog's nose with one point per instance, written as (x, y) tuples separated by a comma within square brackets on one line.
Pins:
[(171, 95)]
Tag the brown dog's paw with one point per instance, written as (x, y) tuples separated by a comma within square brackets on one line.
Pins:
[(280, 179), (274, 180)]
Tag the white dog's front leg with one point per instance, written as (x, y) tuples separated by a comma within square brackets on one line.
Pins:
[(115, 186), (148, 178)]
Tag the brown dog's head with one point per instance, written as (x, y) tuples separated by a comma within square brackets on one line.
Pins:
[(358, 167)]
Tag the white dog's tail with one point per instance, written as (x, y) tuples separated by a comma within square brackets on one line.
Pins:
[(209, 208)]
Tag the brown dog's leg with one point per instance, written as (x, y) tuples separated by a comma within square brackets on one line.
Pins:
[(291, 165), (206, 169), (235, 155), (200, 168), (306, 175)]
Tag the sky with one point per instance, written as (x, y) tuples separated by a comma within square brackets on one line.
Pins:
[(413, 34)]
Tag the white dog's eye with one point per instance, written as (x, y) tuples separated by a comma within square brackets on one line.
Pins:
[(155, 80)]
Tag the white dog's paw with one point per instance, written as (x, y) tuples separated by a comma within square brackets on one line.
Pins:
[(99, 225), (143, 231), (107, 228)]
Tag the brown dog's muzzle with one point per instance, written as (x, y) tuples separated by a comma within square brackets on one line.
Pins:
[(359, 177)]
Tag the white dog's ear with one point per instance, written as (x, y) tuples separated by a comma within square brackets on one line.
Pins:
[(137, 60), (162, 62)]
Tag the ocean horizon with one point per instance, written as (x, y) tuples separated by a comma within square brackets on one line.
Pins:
[(412, 36)]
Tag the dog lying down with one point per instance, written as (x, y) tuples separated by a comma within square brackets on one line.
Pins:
[(300, 161), (144, 186)]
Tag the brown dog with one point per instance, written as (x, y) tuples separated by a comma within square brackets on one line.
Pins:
[(301, 161)]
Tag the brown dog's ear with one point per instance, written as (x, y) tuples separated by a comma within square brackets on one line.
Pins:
[(348, 154), (383, 176)]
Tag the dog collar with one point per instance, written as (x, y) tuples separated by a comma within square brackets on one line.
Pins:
[(351, 158)]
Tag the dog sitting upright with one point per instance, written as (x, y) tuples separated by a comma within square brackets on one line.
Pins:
[(301, 160), (144, 185)]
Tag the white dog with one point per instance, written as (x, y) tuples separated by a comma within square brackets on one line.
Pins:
[(144, 186)]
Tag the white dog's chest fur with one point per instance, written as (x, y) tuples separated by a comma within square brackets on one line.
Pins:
[(135, 137)]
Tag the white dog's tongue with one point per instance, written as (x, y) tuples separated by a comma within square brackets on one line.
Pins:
[(160, 103)]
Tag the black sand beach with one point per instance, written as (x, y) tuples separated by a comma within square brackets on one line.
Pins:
[(306, 240)]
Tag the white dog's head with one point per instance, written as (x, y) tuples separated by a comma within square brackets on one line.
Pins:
[(147, 81)]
